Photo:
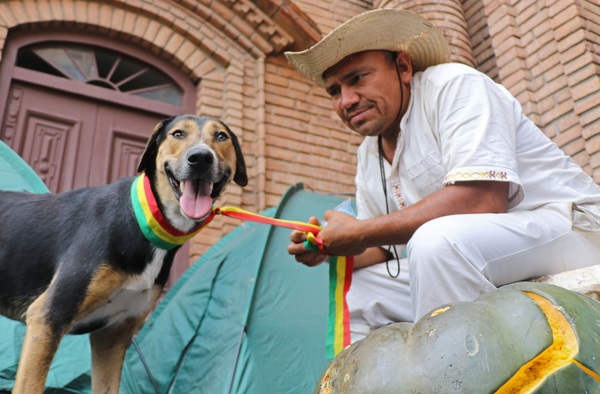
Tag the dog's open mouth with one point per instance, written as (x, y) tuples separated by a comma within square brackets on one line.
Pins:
[(196, 196)]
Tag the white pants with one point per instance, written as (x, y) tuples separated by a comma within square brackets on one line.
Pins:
[(459, 257)]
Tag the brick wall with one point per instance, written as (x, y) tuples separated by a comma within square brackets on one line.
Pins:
[(306, 142), (545, 52)]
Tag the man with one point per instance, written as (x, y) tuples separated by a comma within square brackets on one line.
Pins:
[(457, 191)]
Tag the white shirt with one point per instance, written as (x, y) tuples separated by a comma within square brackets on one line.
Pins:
[(462, 126)]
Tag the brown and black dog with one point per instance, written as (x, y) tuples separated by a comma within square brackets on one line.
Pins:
[(90, 261)]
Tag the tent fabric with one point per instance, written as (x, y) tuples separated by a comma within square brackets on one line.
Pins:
[(70, 372), (246, 318), (16, 174)]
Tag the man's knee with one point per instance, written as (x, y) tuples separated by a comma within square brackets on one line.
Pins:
[(435, 241), (431, 239)]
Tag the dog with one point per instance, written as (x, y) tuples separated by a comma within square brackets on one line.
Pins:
[(92, 261)]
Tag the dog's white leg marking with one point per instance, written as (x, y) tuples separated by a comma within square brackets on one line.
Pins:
[(108, 351), (38, 350)]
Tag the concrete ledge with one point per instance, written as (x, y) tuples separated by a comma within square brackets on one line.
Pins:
[(584, 280)]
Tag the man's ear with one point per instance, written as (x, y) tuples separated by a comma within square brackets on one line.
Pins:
[(404, 66)]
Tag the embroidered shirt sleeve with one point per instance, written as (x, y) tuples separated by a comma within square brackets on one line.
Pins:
[(479, 174)]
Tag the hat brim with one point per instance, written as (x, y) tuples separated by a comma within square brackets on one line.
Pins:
[(380, 29)]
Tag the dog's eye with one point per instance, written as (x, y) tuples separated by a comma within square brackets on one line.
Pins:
[(178, 134), (221, 136)]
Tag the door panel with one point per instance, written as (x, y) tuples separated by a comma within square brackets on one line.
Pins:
[(120, 141), (53, 134), (50, 144), (72, 142)]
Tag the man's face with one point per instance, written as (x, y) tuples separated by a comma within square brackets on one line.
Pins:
[(365, 92)]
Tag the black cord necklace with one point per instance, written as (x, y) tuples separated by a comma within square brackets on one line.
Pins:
[(383, 183), (387, 211)]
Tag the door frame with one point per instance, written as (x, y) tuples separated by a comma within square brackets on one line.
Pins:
[(9, 72)]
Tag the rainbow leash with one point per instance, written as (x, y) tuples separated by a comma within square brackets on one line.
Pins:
[(239, 213), (340, 276)]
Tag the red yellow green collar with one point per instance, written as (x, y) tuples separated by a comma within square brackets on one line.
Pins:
[(151, 221)]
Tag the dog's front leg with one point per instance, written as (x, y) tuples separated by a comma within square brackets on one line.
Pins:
[(109, 345), (108, 352), (39, 347)]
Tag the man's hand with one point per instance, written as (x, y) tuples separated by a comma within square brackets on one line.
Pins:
[(341, 236), (297, 249)]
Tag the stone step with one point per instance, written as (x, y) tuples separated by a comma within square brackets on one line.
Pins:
[(584, 280)]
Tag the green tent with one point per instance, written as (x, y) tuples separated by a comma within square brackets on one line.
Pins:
[(245, 318), (15, 173)]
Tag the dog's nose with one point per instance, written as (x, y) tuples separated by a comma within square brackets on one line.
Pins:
[(200, 158)]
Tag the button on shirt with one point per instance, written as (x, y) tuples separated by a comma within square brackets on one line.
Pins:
[(461, 126)]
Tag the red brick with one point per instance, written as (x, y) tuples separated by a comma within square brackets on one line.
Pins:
[(6, 16), (18, 11), (591, 120)]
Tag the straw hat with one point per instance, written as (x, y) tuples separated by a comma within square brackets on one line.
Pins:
[(385, 29)]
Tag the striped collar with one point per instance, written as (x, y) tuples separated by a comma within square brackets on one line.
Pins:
[(151, 221)]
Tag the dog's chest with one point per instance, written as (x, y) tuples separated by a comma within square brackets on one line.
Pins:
[(133, 299), (146, 280)]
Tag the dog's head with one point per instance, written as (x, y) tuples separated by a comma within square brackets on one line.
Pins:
[(190, 160)]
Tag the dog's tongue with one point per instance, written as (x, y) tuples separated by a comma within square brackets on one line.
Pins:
[(196, 201)]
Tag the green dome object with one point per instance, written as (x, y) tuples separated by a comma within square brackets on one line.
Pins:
[(525, 337)]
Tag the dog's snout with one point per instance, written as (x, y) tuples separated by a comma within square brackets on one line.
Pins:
[(199, 158)]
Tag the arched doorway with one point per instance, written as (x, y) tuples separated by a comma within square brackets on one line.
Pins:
[(80, 108)]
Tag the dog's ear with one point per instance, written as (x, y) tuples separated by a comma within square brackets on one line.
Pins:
[(240, 177), (151, 151)]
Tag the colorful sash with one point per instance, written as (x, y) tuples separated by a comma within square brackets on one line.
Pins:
[(340, 278)]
